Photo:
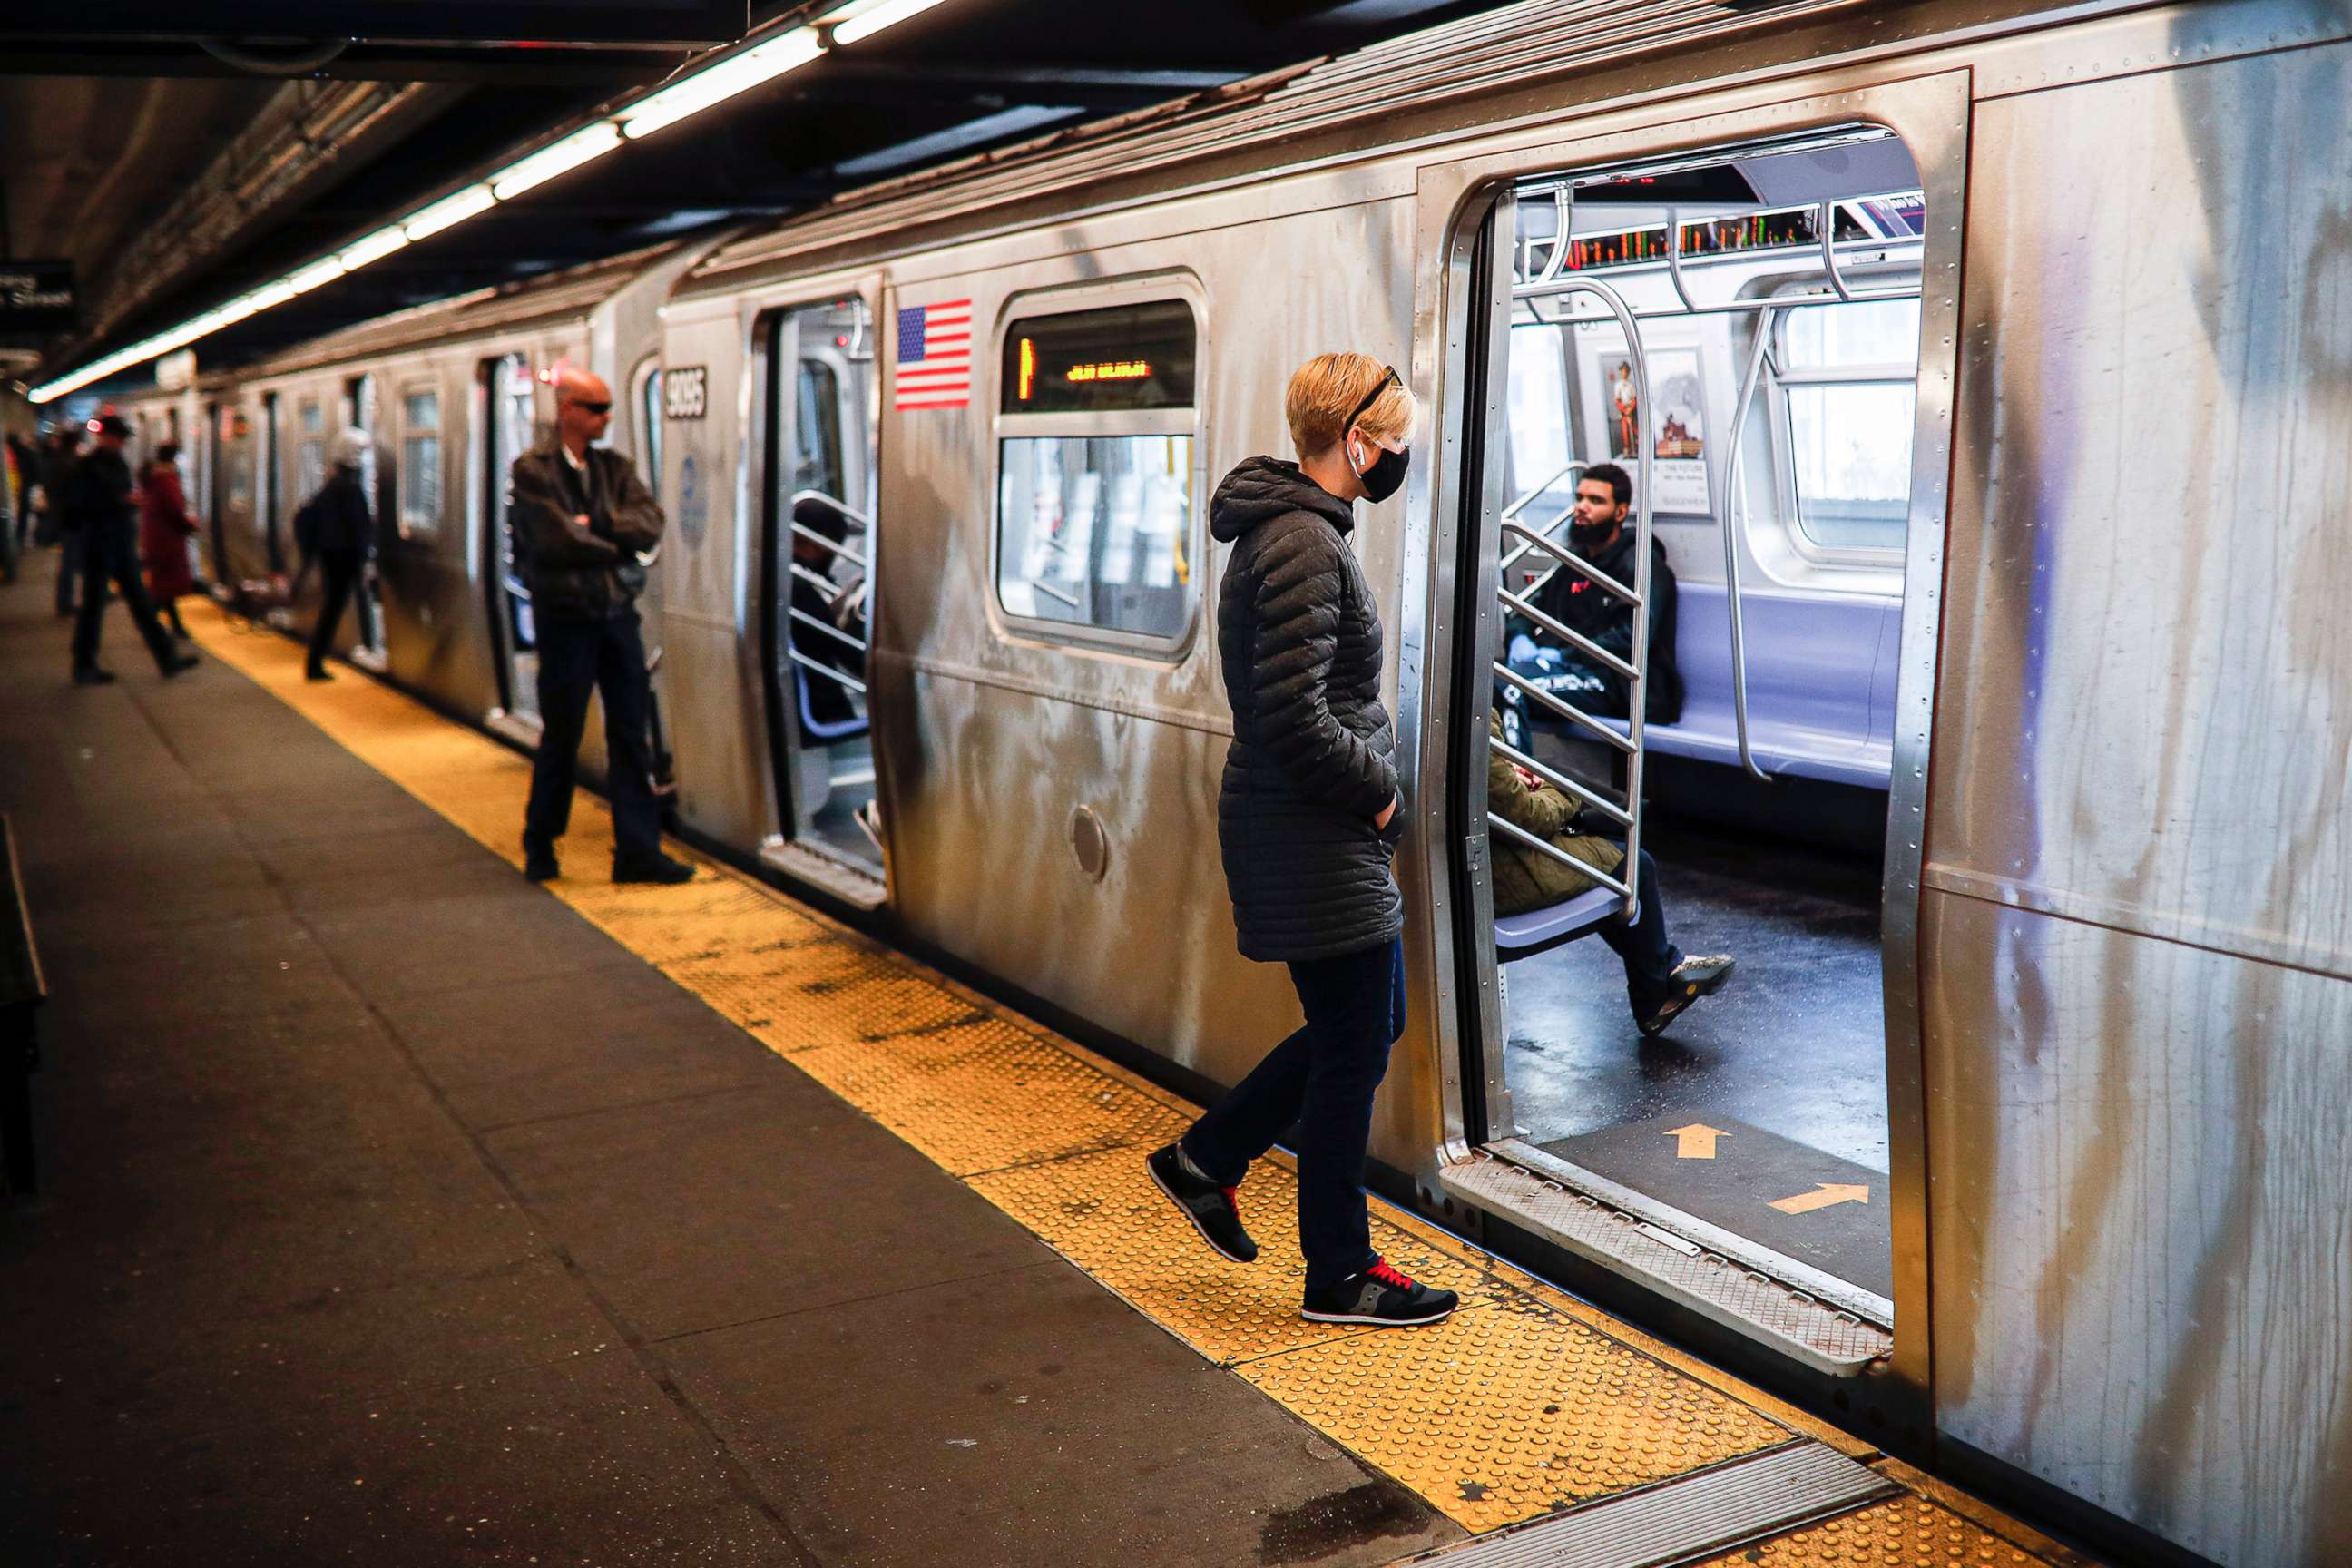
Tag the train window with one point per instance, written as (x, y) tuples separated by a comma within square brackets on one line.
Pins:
[(310, 458), (1849, 375), (420, 463), (818, 439), (649, 422), (1538, 409), (1098, 504)]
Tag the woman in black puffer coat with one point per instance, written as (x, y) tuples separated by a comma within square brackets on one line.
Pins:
[(1308, 821)]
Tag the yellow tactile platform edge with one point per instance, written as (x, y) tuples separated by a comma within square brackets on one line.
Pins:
[(1525, 1402)]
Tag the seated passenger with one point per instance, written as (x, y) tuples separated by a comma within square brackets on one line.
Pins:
[(829, 700), (1659, 981), (1597, 533)]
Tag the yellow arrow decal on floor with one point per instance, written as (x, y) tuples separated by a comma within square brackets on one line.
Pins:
[(1695, 1142), (1821, 1197)]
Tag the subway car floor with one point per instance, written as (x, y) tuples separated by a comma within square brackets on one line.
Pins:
[(395, 1210), (1787, 1065)]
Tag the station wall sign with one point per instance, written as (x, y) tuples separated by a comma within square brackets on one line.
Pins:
[(37, 296)]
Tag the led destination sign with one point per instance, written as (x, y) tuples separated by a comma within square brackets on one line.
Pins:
[(1086, 362)]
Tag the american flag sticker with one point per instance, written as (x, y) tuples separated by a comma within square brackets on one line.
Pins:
[(934, 365)]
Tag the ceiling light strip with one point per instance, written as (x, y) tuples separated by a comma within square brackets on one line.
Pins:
[(715, 83)]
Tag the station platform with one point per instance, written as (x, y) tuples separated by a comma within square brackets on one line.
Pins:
[(395, 1210)]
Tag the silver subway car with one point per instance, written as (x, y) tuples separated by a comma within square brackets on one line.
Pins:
[(1982, 371)]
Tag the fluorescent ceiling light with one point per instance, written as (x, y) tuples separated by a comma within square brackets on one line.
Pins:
[(718, 82), (863, 18), (315, 274), (714, 84), (375, 247), (594, 141), (449, 211)]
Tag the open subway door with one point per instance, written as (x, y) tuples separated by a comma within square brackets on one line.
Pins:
[(1725, 341), (816, 593)]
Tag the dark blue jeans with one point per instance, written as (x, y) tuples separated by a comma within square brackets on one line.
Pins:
[(1322, 1078), (1649, 958)]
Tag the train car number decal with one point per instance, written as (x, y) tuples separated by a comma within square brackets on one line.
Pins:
[(684, 392)]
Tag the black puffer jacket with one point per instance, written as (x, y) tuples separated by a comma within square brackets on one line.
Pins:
[(1310, 765)]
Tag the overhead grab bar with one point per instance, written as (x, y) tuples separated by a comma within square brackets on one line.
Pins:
[(1829, 251), (1674, 258), (1735, 525)]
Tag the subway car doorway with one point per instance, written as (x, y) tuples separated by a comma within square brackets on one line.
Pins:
[(1729, 346)]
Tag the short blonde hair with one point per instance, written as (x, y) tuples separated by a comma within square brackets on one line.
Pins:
[(1325, 390)]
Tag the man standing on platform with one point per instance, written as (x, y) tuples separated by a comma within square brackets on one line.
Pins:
[(100, 504), (580, 517)]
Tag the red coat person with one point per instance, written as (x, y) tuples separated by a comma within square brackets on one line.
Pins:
[(165, 530)]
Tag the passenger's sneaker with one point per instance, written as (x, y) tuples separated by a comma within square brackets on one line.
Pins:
[(91, 675), (539, 864), (1209, 1206), (179, 664), (317, 672), (654, 867), (1693, 978), (1382, 1296)]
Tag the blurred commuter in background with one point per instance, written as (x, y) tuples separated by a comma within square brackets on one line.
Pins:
[(100, 506), (332, 529), (165, 530), (57, 460)]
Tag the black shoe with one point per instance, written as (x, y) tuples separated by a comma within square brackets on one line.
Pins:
[(178, 664), (1209, 1206), (1384, 1297), (1693, 978), (90, 675), (539, 860), (654, 867), (317, 672)]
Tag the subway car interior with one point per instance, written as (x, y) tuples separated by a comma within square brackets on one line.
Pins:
[(1774, 295)]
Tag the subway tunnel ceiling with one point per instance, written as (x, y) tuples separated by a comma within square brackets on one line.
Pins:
[(110, 132)]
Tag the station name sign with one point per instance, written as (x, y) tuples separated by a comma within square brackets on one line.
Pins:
[(36, 296)]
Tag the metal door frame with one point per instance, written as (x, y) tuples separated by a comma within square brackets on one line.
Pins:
[(1455, 199), (771, 403)]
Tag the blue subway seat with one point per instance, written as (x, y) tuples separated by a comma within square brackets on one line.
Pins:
[(1821, 685), (817, 729), (1539, 931)]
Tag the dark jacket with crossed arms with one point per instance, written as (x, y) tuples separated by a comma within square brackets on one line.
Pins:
[(580, 571)]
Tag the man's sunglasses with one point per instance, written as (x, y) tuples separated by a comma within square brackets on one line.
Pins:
[(604, 407)]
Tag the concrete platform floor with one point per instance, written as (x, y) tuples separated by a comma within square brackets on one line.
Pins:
[(392, 1214)]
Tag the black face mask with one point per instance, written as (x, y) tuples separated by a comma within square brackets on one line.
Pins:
[(1387, 471)]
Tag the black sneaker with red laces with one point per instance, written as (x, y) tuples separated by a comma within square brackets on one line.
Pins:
[(1382, 1296), (1209, 1206)]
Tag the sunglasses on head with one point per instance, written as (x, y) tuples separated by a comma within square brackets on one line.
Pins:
[(1389, 377), (604, 407)]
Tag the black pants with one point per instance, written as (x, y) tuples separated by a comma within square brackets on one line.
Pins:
[(607, 658), (115, 559), (72, 561), (340, 569), (1649, 958), (1323, 1079)]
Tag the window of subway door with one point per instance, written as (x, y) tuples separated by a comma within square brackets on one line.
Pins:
[(1098, 481)]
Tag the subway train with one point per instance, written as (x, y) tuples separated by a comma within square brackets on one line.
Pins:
[(1983, 370)]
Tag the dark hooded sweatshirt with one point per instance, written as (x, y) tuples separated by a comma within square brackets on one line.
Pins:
[(1311, 764)]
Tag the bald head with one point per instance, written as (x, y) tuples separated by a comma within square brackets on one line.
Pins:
[(583, 407)]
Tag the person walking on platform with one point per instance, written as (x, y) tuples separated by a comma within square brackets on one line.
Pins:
[(580, 517), (57, 460), (26, 462), (165, 530), (331, 528), (101, 505), (1307, 819)]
